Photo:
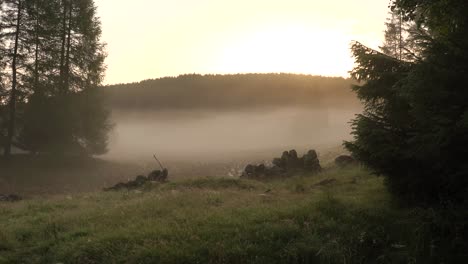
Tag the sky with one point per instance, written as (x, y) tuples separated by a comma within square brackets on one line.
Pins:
[(149, 39)]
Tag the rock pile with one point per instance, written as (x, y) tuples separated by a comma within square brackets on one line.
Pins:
[(288, 165), (140, 180), (10, 198), (158, 175)]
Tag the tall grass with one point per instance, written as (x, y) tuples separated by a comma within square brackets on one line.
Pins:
[(351, 220)]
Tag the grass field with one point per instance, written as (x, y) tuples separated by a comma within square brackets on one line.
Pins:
[(218, 220)]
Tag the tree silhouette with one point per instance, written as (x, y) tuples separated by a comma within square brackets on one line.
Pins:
[(415, 126), (57, 59)]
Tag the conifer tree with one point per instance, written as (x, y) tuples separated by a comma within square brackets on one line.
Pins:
[(12, 30), (414, 129), (56, 64), (3, 82), (394, 39)]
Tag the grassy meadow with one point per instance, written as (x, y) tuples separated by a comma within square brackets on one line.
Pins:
[(305, 219)]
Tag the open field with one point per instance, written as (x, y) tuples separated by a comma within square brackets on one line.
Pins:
[(218, 220), (43, 175)]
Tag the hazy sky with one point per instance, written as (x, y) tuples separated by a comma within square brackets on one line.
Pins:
[(156, 38)]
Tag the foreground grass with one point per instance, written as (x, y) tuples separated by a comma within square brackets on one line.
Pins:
[(296, 220)]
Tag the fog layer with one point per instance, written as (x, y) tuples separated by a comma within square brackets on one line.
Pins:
[(204, 135)]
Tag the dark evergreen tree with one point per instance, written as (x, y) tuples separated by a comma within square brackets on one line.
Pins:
[(53, 58), (394, 39), (71, 86), (3, 83), (414, 129), (12, 32)]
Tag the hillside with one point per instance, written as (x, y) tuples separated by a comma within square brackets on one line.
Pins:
[(231, 92), (224, 220)]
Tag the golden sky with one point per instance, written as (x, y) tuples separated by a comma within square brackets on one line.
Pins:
[(155, 38)]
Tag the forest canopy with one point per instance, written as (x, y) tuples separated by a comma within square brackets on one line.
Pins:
[(231, 92)]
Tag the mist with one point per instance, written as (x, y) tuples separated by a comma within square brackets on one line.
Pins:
[(204, 136), (228, 119)]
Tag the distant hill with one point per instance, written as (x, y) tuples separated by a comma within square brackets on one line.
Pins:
[(231, 92)]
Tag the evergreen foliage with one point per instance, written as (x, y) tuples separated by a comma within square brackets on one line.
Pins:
[(59, 63), (232, 91), (414, 129)]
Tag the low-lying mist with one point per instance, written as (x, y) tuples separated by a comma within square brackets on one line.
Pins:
[(204, 136)]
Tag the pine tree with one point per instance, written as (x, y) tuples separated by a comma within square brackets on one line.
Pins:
[(78, 73), (403, 39), (13, 15), (394, 39), (3, 82), (414, 129), (53, 65)]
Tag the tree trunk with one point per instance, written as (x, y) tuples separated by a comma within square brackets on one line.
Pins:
[(67, 56), (12, 103), (36, 57), (62, 52)]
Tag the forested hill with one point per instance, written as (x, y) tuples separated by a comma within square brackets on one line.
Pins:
[(231, 92)]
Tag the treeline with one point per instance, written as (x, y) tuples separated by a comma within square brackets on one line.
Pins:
[(51, 62), (231, 92)]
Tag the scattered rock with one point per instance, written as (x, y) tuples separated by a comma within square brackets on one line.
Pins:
[(292, 161), (344, 160), (260, 169), (288, 165), (158, 176), (279, 162), (249, 171), (276, 170), (311, 162), (10, 198), (140, 181)]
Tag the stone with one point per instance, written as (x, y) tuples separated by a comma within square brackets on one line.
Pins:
[(255, 171), (312, 154), (249, 171), (278, 162), (289, 164), (276, 171), (140, 180), (292, 160), (259, 169), (293, 154), (10, 198), (311, 162), (295, 157), (158, 176)]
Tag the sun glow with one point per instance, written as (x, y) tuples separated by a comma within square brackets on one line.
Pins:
[(235, 36), (292, 49)]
